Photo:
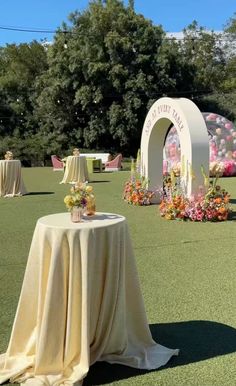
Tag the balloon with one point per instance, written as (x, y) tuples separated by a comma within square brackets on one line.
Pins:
[(228, 125), (229, 154), (222, 144), (211, 117)]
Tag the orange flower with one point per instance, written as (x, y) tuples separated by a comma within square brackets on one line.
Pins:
[(222, 210), (226, 199), (218, 200), (162, 204)]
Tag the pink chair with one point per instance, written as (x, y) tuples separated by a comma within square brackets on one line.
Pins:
[(114, 165), (57, 163)]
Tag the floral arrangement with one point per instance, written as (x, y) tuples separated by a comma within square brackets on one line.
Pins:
[(136, 193), (211, 204), (135, 190), (81, 195), (9, 155)]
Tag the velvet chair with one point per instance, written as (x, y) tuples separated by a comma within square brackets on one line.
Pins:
[(114, 165), (57, 163)]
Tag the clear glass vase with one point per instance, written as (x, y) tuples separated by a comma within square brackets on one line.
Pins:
[(76, 214), (91, 206)]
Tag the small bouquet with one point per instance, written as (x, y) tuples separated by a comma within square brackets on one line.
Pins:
[(81, 200), (9, 155), (135, 190)]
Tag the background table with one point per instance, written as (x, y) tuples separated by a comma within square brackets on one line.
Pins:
[(80, 303), (94, 164), (11, 181), (76, 170)]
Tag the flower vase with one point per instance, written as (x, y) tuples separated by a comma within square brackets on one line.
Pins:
[(90, 207), (76, 214)]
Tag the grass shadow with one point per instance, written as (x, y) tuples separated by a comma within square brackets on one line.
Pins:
[(98, 181), (232, 216), (38, 193), (197, 340)]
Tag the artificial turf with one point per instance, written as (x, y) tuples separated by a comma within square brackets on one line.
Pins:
[(187, 275)]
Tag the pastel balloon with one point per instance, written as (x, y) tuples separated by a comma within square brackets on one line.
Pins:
[(211, 117), (222, 144)]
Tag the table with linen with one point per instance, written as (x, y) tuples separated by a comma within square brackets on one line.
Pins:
[(76, 170), (80, 303), (11, 181)]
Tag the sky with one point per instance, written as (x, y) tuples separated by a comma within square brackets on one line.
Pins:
[(172, 15)]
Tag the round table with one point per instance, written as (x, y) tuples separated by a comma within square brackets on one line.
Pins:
[(76, 170), (11, 181), (80, 303)]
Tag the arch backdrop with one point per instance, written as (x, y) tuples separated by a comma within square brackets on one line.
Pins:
[(193, 137)]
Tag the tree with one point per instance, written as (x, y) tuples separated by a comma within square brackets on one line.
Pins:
[(229, 83), (97, 91), (205, 55), (19, 67), (223, 100)]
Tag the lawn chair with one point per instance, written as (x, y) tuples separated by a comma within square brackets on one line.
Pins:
[(114, 165), (57, 163)]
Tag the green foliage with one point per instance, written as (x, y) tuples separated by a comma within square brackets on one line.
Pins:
[(229, 83), (19, 68), (205, 56), (113, 69)]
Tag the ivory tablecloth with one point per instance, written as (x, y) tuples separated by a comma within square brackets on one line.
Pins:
[(76, 170), (80, 303), (11, 181)]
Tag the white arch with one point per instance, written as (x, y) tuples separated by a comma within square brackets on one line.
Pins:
[(193, 136)]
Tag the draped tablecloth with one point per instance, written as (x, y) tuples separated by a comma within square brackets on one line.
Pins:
[(76, 170), (80, 303), (11, 181)]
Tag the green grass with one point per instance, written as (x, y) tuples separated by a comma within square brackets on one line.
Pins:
[(187, 275)]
